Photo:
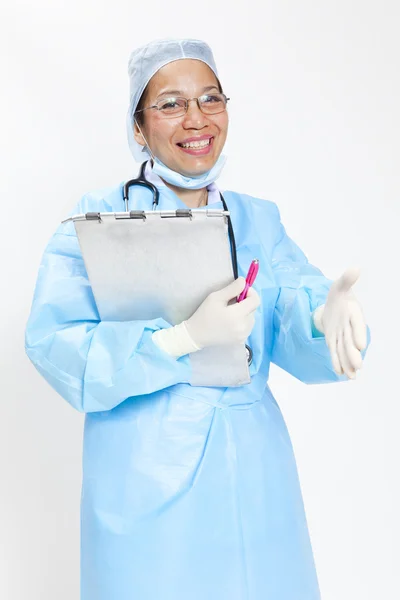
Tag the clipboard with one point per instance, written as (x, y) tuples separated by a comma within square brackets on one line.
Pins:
[(163, 263)]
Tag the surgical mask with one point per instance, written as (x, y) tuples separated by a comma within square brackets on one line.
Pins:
[(189, 183)]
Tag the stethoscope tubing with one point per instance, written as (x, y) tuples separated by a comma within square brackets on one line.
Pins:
[(142, 181)]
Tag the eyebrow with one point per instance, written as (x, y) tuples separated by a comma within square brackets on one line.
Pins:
[(180, 93)]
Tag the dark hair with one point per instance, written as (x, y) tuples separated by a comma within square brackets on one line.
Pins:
[(139, 116)]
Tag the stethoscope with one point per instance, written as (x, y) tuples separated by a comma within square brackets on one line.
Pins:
[(142, 181)]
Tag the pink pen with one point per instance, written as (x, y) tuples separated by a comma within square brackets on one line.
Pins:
[(250, 278)]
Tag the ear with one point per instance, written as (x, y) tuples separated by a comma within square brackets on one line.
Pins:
[(137, 135)]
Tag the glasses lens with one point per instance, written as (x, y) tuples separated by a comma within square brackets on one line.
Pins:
[(172, 107), (212, 104)]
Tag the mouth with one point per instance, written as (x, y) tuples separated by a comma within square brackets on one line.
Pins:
[(197, 147)]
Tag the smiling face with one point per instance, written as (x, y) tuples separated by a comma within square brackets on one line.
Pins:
[(189, 79)]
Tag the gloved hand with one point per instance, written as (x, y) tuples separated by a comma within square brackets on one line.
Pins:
[(214, 323), (342, 321)]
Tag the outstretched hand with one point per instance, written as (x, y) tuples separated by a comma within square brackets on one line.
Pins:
[(342, 321)]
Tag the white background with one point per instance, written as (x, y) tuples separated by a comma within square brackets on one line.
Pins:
[(314, 127)]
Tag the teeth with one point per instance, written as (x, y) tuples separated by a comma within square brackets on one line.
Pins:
[(201, 144)]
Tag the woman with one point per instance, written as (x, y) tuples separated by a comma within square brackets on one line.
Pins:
[(191, 493)]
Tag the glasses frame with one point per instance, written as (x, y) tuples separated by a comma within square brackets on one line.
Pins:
[(187, 100)]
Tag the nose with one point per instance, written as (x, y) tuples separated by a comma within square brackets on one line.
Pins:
[(194, 118)]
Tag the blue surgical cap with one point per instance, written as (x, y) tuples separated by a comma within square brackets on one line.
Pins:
[(144, 62)]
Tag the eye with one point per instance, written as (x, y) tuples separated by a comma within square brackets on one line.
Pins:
[(168, 104), (210, 99)]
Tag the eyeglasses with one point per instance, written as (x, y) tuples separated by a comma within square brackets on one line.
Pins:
[(209, 104)]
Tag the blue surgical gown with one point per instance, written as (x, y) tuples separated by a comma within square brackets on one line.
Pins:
[(189, 493)]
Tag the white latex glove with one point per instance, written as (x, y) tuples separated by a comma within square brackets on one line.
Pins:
[(342, 321), (215, 322)]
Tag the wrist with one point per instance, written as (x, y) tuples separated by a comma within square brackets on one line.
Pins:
[(317, 319), (176, 340)]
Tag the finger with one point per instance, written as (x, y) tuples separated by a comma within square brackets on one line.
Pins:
[(249, 304), (348, 279), (350, 373), (353, 354), (251, 293), (249, 323), (359, 326), (253, 312), (331, 341), (232, 290)]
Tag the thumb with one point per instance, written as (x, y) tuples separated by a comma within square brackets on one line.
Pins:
[(348, 279), (233, 289)]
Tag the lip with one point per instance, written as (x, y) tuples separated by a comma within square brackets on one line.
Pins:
[(197, 151), (196, 139)]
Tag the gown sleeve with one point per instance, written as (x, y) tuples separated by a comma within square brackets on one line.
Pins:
[(94, 365), (298, 347)]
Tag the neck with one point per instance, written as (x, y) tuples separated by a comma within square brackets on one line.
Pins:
[(192, 198)]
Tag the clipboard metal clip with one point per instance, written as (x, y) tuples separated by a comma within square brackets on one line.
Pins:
[(179, 212), (93, 216), (132, 214), (184, 212)]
